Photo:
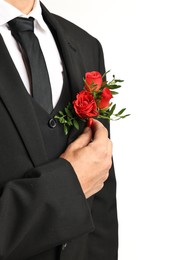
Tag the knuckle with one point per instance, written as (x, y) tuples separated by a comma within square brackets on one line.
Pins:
[(100, 186), (106, 176), (110, 142), (110, 164), (106, 131)]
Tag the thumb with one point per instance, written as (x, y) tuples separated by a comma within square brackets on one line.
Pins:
[(84, 139)]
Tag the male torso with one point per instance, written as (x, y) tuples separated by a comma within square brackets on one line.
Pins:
[(41, 231)]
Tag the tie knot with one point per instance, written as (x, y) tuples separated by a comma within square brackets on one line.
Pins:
[(21, 24)]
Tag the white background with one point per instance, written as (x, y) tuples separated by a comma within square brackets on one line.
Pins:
[(137, 38)]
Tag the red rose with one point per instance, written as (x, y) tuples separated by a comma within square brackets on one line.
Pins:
[(85, 105), (105, 98), (93, 81)]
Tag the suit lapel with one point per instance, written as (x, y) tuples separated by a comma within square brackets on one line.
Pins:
[(15, 98), (72, 60)]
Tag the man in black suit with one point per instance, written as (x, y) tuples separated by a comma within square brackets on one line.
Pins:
[(57, 193)]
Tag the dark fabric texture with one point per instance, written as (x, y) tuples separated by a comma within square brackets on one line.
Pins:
[(43, 212), (55, 141), (23, 31)]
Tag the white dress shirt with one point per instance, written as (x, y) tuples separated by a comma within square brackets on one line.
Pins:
[(47, 43)]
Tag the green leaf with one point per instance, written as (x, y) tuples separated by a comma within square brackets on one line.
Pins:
[(75, 123), (114, 93), (61, 113), (125, 116), (69, 106), (69, 121), (113, 86), (118, 80), (68, 112), (65, 129), (62, 120), (104, 117), (121, 111), (105, 73), (104, 110), (112, 110)]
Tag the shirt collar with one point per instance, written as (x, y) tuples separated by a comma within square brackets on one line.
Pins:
[(9, 12)]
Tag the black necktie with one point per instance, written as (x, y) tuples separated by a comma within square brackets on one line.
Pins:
[(22, 30)]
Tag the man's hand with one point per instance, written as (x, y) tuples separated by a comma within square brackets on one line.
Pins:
[(91, 160)]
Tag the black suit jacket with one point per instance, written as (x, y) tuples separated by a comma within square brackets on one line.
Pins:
[(42, 205)]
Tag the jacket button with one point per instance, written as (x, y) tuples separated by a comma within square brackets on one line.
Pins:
[(64, 246), (52, 123)]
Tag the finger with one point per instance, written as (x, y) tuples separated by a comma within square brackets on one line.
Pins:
[(84, 139)]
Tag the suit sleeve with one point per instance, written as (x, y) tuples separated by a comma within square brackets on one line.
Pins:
[(103, 242), (42, 210)]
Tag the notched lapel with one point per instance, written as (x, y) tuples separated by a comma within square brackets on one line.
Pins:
[(15, 98)]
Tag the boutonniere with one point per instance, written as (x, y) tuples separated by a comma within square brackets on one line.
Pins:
[(92, 102)]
